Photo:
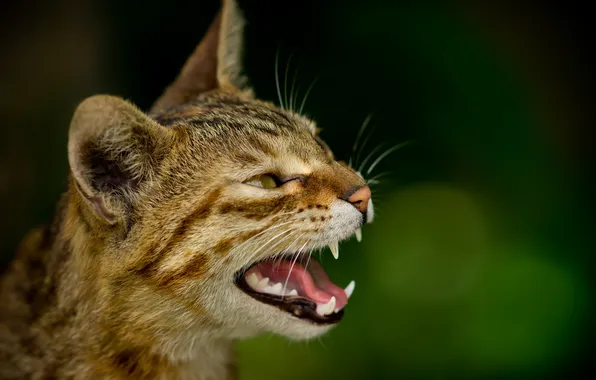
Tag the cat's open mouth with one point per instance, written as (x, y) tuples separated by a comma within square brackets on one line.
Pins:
[(300, 287)]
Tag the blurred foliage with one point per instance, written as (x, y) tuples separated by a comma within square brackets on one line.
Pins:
[(479, 261)]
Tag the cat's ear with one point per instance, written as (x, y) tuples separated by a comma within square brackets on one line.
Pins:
[(114, 149), (215, 63)]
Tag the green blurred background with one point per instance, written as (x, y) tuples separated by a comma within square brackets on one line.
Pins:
[(480, 261)]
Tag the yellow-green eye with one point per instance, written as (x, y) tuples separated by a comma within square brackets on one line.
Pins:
[(265, 181)]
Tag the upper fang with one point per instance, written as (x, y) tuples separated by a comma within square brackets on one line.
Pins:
[(359, 235), (334, 247)]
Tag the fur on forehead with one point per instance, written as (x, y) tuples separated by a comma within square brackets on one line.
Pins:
[(233, 108)]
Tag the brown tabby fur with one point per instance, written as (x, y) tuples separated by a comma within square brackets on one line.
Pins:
[(133, 279)]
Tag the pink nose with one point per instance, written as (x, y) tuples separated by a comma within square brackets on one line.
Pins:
[(360, 198)]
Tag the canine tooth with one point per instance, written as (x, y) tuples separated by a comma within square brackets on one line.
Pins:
[(277, 288), (252, 280), (334, 247), (293, 292), (350, 288), (331, 305), (326, 309), (263, 283), (359, 235)]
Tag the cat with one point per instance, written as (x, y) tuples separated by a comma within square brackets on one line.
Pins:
[(182, 230)]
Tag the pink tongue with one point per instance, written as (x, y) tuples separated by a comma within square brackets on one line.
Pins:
[(312, 283)]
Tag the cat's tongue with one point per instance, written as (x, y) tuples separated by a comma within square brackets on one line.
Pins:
[(313, 283)]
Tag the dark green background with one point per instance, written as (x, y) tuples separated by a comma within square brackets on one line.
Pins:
[(480, 260)]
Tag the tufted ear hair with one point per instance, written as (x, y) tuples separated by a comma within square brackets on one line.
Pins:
[(113, 150), (215, 63)]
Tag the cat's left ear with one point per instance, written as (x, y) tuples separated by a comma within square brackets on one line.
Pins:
[(114, 152), (215, 63)]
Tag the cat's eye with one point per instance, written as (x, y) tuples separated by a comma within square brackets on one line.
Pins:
[(266, 181)]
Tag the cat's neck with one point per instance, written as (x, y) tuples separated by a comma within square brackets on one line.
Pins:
[(73, 319), (129, 347)]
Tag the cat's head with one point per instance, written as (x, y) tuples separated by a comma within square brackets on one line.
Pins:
[(192, 206)]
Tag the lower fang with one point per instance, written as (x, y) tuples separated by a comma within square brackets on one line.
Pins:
[(350, 288), (326, 309)]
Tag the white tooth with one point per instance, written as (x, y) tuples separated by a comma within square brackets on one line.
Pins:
[(359, 235), (252, 280), (293, 292), (263, 283), (331, 305), (326, 309), (350, 288), (277, 288), (334, 250), (268, 289)]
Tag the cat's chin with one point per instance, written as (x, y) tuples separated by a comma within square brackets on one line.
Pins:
[(299, 329)]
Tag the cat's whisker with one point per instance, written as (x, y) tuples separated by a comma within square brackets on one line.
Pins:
[(277, 79), (375, 180), (282, 240), (365, 142), (369, 156), (359, 136), (259, 234), (279, 257), (285, 213), (293, 96), (385, 154), (258, 251), (293, 263), (307, 260), (306, 94), (288, 64)]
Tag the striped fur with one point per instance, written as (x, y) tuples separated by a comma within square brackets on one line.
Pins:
[(133, 279)]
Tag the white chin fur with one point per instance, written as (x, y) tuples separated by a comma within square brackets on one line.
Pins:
[(248, 317)]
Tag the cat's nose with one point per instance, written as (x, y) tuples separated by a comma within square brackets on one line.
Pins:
[(360, 198)]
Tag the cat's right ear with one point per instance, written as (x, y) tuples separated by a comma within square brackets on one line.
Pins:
[(215, 63), (114, 150)]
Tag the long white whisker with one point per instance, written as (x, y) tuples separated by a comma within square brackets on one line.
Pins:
[(359, 135), (370, 155), (244, 243), (293, 97), (387, 152), (307, 261), (280, 256), (286, 81), (306, 94), (258, 251), (285, 213), (366, 139), (375, 180), (292, 266), (277, 79)]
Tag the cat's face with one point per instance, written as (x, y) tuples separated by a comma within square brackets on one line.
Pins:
[(271, 191), (210, 208)]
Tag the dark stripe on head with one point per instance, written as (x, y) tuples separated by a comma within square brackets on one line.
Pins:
[(257, 209), (195, 268), (155, 256)]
